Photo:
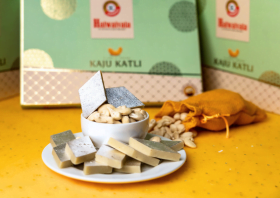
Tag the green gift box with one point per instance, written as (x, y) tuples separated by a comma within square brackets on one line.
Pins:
[(240, 48), (9, 48), (149, 47)]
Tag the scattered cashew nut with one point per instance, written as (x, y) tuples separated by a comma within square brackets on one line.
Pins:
[(168, 131), (170, 119), (152, 124), (194, 132), (157, 132), (162, 131), (162, 123), (186, 134), (177, 116), (183, 116), (189, 143), (155, 139), (178, 122), (180, 128)]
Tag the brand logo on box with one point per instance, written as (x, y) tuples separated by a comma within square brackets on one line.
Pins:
[(232, 8), (111, 19), (232, 19), (111, 8), (105, 24)]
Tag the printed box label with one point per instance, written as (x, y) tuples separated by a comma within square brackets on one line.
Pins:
[(111, 19), (232, 19)]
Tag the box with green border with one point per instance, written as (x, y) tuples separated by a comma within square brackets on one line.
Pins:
[(248, 67), (9, 48), (57, 43)]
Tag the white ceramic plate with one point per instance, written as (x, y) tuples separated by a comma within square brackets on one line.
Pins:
[(148, 172)]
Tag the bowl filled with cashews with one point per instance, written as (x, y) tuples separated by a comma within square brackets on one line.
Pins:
[(120, 123)]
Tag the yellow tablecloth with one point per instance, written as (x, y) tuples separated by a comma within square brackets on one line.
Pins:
[(246, 165)]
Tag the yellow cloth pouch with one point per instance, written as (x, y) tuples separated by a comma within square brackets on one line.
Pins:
[(214, 110)]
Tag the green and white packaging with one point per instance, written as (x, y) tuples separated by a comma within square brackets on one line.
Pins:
[(150, 47), (9, 48), (240, 48)]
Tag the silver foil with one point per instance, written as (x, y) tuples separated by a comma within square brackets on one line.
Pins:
[(119, 96), (92, 94)]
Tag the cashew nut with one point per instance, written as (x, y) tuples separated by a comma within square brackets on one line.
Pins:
[(170, 119), (180, 128), (155, 139), (163, 123), (167, 136), (93, 116), (114, 114), (125, 119), (152, 124), (186, 134), (177, 116), (194, 132), (156, 127), (178, 122), (137, 116), (162, 131), (144, 113), (123, 110), (176, 136), (104, 119), (173, 128), (183, 116), (104, 109), (116, 122), (131, 120), (189, 143), (168, 131), (136, 110), (157, 132)]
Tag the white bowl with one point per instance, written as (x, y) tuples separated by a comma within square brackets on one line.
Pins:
[(101, 132)]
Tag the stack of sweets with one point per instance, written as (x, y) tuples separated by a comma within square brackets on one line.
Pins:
[(112, 106), (115, 156)]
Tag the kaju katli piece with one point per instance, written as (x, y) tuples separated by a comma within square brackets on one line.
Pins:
[(80, 150), (94, 167), (174, 145), (120, 96), (131, 152), (92, 94), (61, 158), (154, 149), (130, 166), (110, 156), (61, 138)]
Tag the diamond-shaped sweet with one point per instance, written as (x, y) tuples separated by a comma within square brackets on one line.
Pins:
[(92, 94), (119, 96)]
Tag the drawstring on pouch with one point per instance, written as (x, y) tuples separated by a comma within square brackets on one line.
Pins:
[(218, 115)]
